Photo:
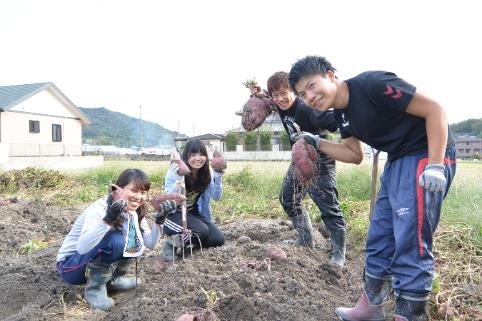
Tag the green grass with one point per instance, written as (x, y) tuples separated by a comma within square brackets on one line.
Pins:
[(250, 189), (463, 204)]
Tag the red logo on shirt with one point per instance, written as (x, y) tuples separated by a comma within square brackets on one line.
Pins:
[(395, 94)]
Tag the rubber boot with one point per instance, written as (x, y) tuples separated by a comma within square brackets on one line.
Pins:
[(338, 247), (302, 224), (98, 274), (410, 306), (119, 281), (370, 306)]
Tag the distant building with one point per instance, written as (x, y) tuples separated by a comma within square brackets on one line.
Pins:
[(39, 120), (212, 141), (467, 147), (271, 124)]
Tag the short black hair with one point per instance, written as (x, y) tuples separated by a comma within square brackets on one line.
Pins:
[(307, 66)]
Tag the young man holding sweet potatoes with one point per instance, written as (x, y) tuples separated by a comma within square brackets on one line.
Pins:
[(388, 113), (322, 187)]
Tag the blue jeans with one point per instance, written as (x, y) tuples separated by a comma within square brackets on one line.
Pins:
[(400, 235), (109, 250)]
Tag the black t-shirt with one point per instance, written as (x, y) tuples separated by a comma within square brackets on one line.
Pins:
[(376, 115), (309, 119)]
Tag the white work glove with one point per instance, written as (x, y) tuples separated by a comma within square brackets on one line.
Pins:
[(313, 140), (175, 169), (433, 178)]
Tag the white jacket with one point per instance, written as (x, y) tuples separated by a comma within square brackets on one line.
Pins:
[(89, 229)]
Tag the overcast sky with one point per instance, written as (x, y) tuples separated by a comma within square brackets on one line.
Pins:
[(184, 61)]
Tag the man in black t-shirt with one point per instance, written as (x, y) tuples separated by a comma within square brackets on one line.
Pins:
[(389, 114), (322, 188)]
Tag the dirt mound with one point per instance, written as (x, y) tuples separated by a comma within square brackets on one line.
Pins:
[(233, 282)]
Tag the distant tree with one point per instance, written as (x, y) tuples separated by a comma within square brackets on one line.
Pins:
[(113, 128), (231, 139), (285, 141), (265, 140), (469, 127), (250, 140)]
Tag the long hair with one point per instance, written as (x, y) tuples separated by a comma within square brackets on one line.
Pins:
[(203, 178), (141, 182)]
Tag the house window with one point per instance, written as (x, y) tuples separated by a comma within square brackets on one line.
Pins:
[(34, 126), (56, 133)]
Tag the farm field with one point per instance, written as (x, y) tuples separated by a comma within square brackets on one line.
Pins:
[(235, 281)]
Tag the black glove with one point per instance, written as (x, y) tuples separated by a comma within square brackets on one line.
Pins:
[(166, 207), (114, 209)]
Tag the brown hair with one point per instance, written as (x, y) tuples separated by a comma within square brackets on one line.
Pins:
[(277, 81), (140, 181)]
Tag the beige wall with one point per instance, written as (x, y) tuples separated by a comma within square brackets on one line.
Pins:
[(47, 109), (213, 144), (45, 103), (15, 129)]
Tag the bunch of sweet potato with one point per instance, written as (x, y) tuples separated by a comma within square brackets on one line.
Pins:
[(218, 163), (183, 168), (304, 157), (255, 111)]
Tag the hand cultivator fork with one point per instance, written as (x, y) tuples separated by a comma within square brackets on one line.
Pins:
[(187, 234), (185, 237)]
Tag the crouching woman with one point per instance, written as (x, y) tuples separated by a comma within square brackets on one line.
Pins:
[(107, 236)]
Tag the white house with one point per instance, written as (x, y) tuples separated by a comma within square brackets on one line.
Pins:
[(212, 141), (39, 120)]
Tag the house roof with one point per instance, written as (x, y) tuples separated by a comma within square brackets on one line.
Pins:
[(11, 96), (208, 137)]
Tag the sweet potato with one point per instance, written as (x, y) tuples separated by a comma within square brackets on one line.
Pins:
[(312, 153), (159, 198), (255, 111), (183, 168), (186, 317), (276, 253), (303, 163), (218, 163)]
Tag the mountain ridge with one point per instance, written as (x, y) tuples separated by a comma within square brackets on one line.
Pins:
[(114, 128)]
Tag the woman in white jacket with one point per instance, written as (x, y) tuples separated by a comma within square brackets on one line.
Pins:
[(107, 236)]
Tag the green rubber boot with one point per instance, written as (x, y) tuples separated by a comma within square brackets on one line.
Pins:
[(121, 282), (98, 274)]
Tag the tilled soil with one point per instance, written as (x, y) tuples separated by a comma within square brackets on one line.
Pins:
[(233, 282)]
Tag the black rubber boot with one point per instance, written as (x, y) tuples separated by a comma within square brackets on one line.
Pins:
[(119, 281), (98, 274), (410, 306), (338, 247), (302, 224), (370, 306)]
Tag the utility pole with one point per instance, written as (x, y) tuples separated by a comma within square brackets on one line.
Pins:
[(140, 118)]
